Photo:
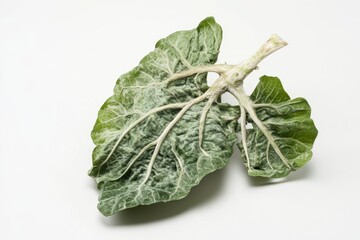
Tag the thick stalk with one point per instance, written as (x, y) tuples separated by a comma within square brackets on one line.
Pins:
[(235, 76)]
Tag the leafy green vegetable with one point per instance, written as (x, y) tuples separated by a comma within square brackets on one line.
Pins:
[(164, 129)]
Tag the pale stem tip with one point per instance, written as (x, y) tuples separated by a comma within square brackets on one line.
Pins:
[(277, 40), (273, 44)]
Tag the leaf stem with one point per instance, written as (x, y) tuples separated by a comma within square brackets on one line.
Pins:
[(238, 73)]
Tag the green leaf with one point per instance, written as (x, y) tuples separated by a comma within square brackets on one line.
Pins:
[(161, 132), (283, 132), (164, 129)]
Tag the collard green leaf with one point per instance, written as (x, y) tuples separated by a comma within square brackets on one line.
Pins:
[(283, 132), (164, 129), (159, 134)]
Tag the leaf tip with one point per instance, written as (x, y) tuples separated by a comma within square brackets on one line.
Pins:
[(208, 21)]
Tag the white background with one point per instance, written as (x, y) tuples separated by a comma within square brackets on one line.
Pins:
[(59, 61)]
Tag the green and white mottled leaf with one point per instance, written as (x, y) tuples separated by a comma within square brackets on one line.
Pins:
[(164, 129), (284, 137), (160, 134)]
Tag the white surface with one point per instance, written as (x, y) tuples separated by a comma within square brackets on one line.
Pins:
[(60, 61)]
